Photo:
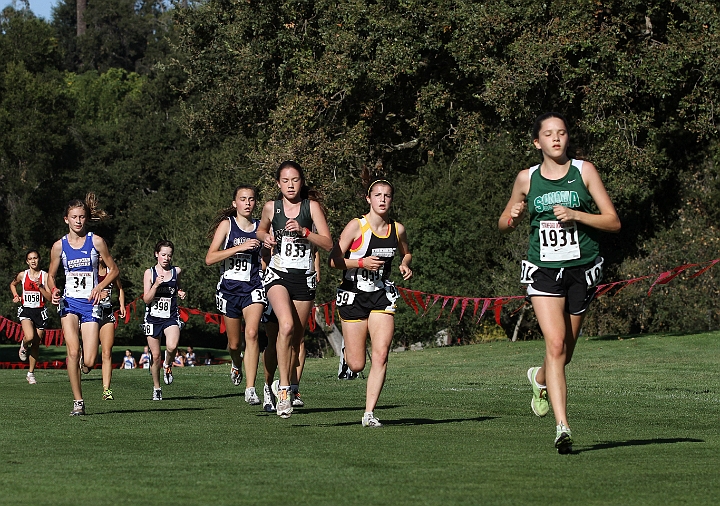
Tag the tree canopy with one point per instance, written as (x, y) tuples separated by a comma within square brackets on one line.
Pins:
[(162, 112)]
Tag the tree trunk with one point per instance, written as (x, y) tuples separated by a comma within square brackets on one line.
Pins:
[(332, 333), (518, 323), (81, 25)]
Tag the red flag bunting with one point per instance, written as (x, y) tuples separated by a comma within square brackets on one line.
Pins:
[(463, 307), (311, 320)]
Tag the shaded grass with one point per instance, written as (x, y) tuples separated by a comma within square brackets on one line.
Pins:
[(458, 430)]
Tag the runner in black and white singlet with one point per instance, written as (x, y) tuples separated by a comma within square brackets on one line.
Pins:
[(299, 226), (240, 293), (32, 312), (366, 298), (78, 252), (563, 266), (162, 288)]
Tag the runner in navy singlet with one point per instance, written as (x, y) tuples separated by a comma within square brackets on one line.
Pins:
[(240, 293), (162, 288)]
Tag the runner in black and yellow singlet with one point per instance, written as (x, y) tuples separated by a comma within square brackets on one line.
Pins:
[(563, 266), (366, 298)]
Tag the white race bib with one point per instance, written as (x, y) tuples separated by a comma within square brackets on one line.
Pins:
[(160, 307), (594, 274), (558, 241), (237, 267), (269, 276), (258, 295), (369, 281), (97, 311), (220, 303), (31, 299), (295, 253), (344, 298), (391, 292), (527, 269), (148, 331), (79, 284)]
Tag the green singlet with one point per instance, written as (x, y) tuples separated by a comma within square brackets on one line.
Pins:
[(552, 243)]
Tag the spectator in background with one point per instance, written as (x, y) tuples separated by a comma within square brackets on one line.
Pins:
[(128, 361), (179, 359), (145, 358), (190, 359)]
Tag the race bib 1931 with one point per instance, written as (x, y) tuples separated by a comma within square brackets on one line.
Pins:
[(558, 241)]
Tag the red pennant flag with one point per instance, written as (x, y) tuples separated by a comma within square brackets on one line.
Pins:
[(463, 307), (49, 334), (184, 316), (421, 301), (668, 276), (409, 299), (326, 308), (429, 306), (477, 303), (311, 320), (3, 322), (708, 266), (455, 303), (629, 282), (223, 329), (486, 305), (498, 308), (445, 301)]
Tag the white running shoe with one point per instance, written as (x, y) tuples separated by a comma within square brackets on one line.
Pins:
[(23, 352), (251, 396), (31, 378), (284, 403), (78, 408), (235, 375), (297, 402), (157, 394), (168, 376), (369, 420), (268, 399)]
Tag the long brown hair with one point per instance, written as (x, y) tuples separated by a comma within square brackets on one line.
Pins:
[(227, 212), (91, 207), (305, 191)]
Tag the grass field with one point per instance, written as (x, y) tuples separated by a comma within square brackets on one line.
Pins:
[(458, 430)]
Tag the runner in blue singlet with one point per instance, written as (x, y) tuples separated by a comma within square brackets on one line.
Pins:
[(78, 306)]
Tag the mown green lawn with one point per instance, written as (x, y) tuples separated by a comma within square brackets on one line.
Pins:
[(458, 430)]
